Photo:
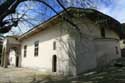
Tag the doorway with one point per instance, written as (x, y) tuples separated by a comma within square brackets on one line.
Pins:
[(54, 63), (17, 61)]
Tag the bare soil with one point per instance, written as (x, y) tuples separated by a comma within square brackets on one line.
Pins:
[(109, 74)]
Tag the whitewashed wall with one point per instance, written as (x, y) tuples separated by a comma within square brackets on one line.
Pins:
[(122, 45), (107, 50), (74, 55), (12, 40), (91, 46), (43, 61)]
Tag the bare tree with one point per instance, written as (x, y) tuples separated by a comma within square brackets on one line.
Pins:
[(11, 17), (24, 14)]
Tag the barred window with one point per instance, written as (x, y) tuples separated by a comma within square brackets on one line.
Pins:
[(25, 50), (36, 48)]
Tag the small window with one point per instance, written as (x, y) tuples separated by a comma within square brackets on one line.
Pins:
[(25, 50), (116, 49), (103, 32), (36, 48), (54, 45)]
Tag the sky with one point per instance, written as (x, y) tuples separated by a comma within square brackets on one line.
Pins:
[(113, 8)]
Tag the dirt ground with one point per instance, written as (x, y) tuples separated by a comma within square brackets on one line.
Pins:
[(19, 75), (109, 74)]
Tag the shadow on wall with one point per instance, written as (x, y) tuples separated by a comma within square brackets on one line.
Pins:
[(70, 62)]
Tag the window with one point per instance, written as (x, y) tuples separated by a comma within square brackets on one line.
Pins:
[(25, 50), (116, 49), (54, 45), (36, 48), (103, 32), (54, 63)]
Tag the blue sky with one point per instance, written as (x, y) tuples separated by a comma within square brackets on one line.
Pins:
[(116, 9), (113, 8)]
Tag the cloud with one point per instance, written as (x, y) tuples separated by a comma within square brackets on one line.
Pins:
[(116, 10)]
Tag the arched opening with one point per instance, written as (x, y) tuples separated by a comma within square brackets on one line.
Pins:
[(12, 58), (54, 63), (11, 52)]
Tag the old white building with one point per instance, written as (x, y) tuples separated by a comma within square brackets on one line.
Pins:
[(59, 46)]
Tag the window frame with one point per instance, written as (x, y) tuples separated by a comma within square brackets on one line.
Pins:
[(36, 48), (25, 50)]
